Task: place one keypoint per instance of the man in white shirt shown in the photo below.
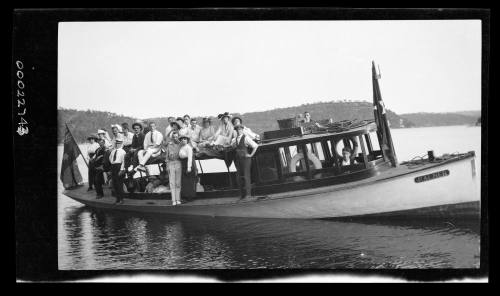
(243, 160)
(195, 135)
(116, 158)
(152, 145)
(127, 137)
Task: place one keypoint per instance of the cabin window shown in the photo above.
(214, 175)
(374, 148)
(293, 167)
(267, 166)
(350, 142)
(316, 150)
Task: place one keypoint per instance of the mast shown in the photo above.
(383, 130)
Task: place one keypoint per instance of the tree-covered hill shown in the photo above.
(442, 119)
(337, 110)
(83, 123)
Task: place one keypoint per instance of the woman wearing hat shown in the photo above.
(116, 130)
(91, 149)
(184, 129)
(207, 132)
(174, 167)
(248, 132)
(189, 172)
(175, 125)
(103, 134)
(224, 133)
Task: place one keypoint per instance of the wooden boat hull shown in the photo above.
(447, 188)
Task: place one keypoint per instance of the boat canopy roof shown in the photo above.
(366, 127)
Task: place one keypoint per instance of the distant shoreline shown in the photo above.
(398, 128)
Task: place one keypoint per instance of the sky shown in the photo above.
(157, 69)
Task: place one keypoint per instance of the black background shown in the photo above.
(34, 41)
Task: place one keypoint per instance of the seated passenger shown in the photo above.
(246, 131)
(127, 137)
(152, 145)
(195, 128)
(307, 117)
(116, 130)
(169, 127)
(224, 133)
(347, 158)
(184, 130)
(206, 134)
(131, 157)
(187, 120)
(146, 129)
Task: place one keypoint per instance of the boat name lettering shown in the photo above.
(432, 176)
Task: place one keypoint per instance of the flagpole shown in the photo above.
(381, 115)
(76, 144)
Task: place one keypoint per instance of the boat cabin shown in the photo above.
(303, 161)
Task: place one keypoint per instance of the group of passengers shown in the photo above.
(125, 153)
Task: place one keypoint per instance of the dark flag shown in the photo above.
(70, 174)
(383, 130)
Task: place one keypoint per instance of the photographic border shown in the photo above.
(35, 43)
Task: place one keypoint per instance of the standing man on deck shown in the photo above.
(96, 163)
(117, 160)
(243, 160)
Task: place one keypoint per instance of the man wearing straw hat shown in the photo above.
(116, 158)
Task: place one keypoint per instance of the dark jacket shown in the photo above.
(138, 141)
(98, 159)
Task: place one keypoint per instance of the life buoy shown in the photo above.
(354, 144)
(312, 158)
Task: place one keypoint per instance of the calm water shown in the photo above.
(92, 239)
